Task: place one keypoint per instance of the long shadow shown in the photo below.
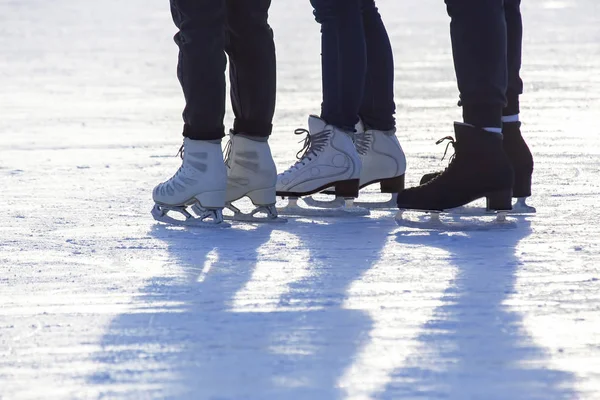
(332, 335)
(476, 346)
(190, 340)
(181, 330)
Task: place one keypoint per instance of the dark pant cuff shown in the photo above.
(483, 115)
(512, 106)
(216, 134)
(252, 128)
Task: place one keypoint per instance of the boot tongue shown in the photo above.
(316, 124)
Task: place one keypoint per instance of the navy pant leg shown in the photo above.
(201, 65)
(514, 28)
(479, 43)
(343, 60)
(252, 66)
(378, 107)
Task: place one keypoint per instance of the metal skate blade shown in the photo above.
(269, 212)
(345, 210)
(474, 211)
(521, 207)
(339, 201)
(160, 214)
(444, 221)
(334, 203)
(381, 205)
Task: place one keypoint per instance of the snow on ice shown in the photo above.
(100, 301)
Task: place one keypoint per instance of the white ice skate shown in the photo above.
(329, 159)
(251, 173)
(383, 162)
(200, 182)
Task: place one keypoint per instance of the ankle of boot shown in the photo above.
(483, 115)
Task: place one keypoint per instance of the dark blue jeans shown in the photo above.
(357, 65)
(486, 44)
(208, 30)
(514, 47)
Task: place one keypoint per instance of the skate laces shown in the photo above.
(312, 145)
(227, 153)
(451, 142)
(182, 167)
(362, 142)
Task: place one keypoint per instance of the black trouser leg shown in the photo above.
(514, 29)
(201, 66)
(378, 107)
(251, 50)
(343, 60)
(478, 31)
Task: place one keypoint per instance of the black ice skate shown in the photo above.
(479, 168)
(521, 160)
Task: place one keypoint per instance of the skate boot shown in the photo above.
(251, 173)
(200, 182)
(383, 162)
(521, 160)
(479, 168)
(329, 159)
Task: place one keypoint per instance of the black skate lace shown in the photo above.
(312, 144)
(363, 142)
(180, 152)
(451, 142)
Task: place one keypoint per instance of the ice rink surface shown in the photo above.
(99, 301)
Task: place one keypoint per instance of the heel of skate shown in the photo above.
(499, 201)
(392, 185)
(215, 199)
(348, 188)
(521, 207)
(522, 186)
(263, 196)
(265, 210)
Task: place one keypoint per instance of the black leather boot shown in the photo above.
(479, 168)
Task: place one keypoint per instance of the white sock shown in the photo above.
(493, 130)
(510, 118)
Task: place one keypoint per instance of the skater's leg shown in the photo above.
(201, 65)
(514, 145)
(480, 167)
(251, 170)
(514, 25)
(252, 69)
(383, 160)
(201, 180)
(377, 107)
(478, 33)
(343, 60)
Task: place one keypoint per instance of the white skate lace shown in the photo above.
(362, 142)
(227, 153)
(181, 170)
(313, 144)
